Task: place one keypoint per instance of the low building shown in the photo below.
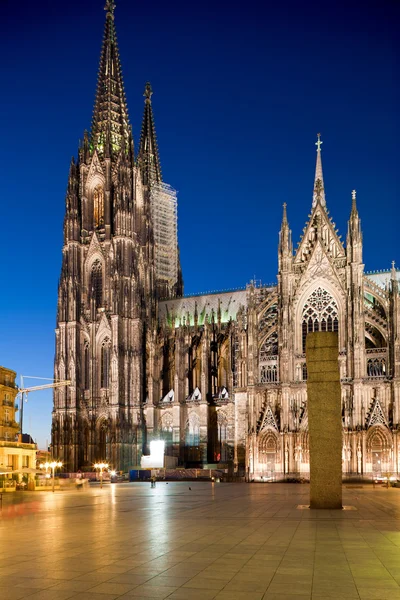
(16, 456)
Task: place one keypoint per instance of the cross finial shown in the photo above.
(393, 263)
(284, 218)
(148, 92)
(110, 6)
(318, 143)
(353, 195)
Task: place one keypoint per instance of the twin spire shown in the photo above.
(110, 124)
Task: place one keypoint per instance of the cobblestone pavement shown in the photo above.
(223, 541)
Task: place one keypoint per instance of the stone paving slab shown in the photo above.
(222, 541)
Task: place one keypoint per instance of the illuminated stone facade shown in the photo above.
(8, 391)
(14, 455)
(220, 377)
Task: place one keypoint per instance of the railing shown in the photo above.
(376, 364)
(376, 351)
(12, 444)
(8, 403)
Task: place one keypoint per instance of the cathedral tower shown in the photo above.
(107, 298)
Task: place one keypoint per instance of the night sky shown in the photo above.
(240, 92)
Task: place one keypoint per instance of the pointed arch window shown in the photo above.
(166, 427)
(105, 364)
(320, 313)
(222, 423)
(269, 348)
(96, 283)
(86, 366)
(98, 206)
(193, 431)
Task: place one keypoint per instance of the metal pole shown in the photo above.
(101, 478)
(21, 414)
(53, 469)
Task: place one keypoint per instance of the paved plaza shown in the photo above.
(223, 541)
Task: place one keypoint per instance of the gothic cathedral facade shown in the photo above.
(221, 378)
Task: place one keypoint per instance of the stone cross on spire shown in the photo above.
(319, 193)
(110, 6)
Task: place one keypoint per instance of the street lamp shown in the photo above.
(100, 467)
(53, 466)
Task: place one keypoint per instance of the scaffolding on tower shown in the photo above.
(164, 214)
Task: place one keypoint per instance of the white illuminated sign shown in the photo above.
(156, 458)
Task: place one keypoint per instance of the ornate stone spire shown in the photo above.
(319, 192)
(284, 216)
(393, 271)
(354, 201)
(148, 156)
(110, 115)
(285, 241)
(354, 234)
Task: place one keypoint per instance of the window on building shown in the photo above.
(268, 359)
(222, 423)
(105, 364)
(320, 313)
(269, 348)
(25, 461)
(7, 436)
(86, 364)
(96, 283)
(166, 427)
(269, 374)
(376, 367)
(98, 206)
(6, 415)
(193, 438)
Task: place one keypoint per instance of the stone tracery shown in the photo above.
(320, 313)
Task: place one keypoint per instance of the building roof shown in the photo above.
(382, 278)
(208, 304)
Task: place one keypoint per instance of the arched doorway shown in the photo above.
(379, 446)
(268, 454)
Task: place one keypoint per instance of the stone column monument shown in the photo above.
(324, 420)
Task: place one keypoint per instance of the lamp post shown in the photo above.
(53, 466)
(100, 467)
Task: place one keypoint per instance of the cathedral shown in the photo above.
(221, 378)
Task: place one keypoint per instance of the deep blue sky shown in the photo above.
(240, 91)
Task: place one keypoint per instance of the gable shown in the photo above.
(319, 229)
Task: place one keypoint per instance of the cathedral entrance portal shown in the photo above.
(267, 455)
(379, 448)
